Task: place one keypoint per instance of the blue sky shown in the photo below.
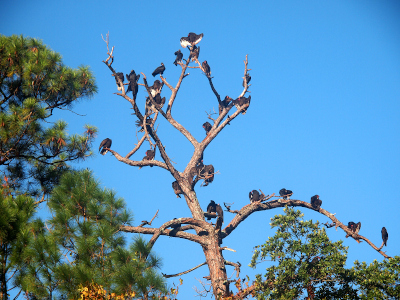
(324, 116)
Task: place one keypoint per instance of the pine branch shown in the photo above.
(184, 272)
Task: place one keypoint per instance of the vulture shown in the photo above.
(220, 213)
(191, 40)
(224, 103)
(207, 127)
(385, 235)
(177, 189)
(355, 227)
(160, 70)
(132, 80)
(254, 196)
(316, 202)
(156, 87)
(194, 54)
(179, 57)
(248, 78)
(150, 154)
(119, 76)
(242, 101)
(159, 101)
(106, 143)
(206, 68)
(285, 194)
(207, 173)
(211, 208)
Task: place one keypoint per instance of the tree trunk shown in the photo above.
(212, 252)
(216, 265)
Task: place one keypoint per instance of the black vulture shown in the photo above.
(285, 194)
(206, 68)
(132, 80)
(191, 40)
(160, 70)
(179, 57)
(177, 189)
(207, 127)
(385, 235)
(211, 208)
(106, 143)
(254, 196)
(316, 202)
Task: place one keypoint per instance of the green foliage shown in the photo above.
(16, 213)
(308, 263)
(81, 246)
(33, 83)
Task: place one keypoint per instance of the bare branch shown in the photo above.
(185, 272)
(179, 234)
(237, 266)
(248, 209)
(149, 223)
(141, 163)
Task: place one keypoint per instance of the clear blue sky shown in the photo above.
(324, 116)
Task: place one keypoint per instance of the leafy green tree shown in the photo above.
(82, 246)
(34, 83)
(16, 213)
(308, 265)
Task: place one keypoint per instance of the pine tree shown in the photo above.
(34, 83)
(81, 246)
(16, 214)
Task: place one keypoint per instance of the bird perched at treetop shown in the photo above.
(385, 235)
(106, 143)
(316, 202)
(254, 196)
(179, 57)
(177, 189)
(247, 78)
(206, 68)
(191, 40)
(194, 53)
(211, 208)
(160, 70)
(220, 212)
(285, 194)
(207, 127)
(242, 102)
(119, 76)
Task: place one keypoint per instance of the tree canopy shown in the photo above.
(34, 83)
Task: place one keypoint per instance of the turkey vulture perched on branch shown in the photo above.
(316, 202)
(177, 189)
(354, 227)
(191, 40)
(119, 76)
(224, 103)
(242, 102)
(254, 196)
(106, 143)
(133, 79)
(206, 68)
(179, 57)
(285, 194)
(385, 235)
(207, 127)
(248, 78)
(211, 208)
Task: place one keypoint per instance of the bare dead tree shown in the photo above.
(208, 236)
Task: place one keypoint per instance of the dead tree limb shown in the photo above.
(184, 272)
